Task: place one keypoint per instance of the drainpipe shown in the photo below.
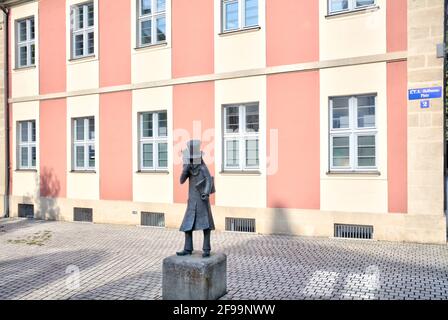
(6, 93)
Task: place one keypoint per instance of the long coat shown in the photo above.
(198, 215)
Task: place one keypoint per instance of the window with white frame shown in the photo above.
(151, 22)
(84, 144)
(239, 14)
(241, 137)
(26, 48)
(335, 6)
(353, 133)
(27, 145)
(83, 30)
(153, 141)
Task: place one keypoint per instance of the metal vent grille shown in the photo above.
(26, 211)
(350, 231)
(240, 225)
(153, 219)
(83, 214)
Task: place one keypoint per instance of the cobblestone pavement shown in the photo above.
(41, 260)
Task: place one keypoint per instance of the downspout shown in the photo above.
(6, 93)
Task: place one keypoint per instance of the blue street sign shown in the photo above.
(425, 93)
(425, 104)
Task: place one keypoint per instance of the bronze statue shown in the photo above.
(198, 215)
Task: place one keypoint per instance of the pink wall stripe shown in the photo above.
(292, 31)
(52, 57)
(115, 42)
(53, 148)
(293, 110)
(193, 103)
(397, 23)
(192, 37)
(397, 136)
(116, 146)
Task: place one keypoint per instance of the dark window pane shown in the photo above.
(145, 6)
(79, 127)
(232, 119)
(79, 156)
(161, 29)
(33, 54)
(80, 18)
(340, 113)
(24, 131)
(23, 56)
(90, 16)
(145, 32)
(33, 131)
(32, 31)
(252, 119)
(91, 42)
(79, 45)
(147, 125)
(163, 124)
(22, 31)
(24, 156)
(92, 129)
(33, 157)
(91, 156)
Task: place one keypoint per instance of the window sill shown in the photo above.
(348, 172)
(153, 172)
(240, 172)
(238, 31)
(84, 171)
(151, 46)
(19, 69)
(352, 12)
(88, 58)
(26, 170)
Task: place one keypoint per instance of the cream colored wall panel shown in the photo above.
(82, 73)
(360, 79)
(240, 190)
(151, 64)
(82, 185)
(152, 187)
(154, 62)
(354, 195)
(25, 82)
(240, 50)
(354, 34)
(25, 183)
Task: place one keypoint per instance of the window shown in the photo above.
(83, 30)
(241, 137)
(151, 22)
(153, 141)
(239, 14)
(27, 145)
(26, 48)
(353, 133)
(335, 6)
(84, 144)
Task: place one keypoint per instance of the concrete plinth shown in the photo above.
(194, 278)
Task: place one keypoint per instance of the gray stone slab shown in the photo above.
(194, 278)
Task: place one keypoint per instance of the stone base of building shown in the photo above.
(194, 278)
(417, 228)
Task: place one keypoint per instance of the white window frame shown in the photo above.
(85, 143)
(153, 16)
(353, 132)
(241, 136)
(241, 15)
(155, 140)
(85, 31)
(29, 144)
(351, 7)
(28, 42)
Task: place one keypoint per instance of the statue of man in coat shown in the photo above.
(198, 215)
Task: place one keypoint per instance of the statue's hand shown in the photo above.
(204, 196)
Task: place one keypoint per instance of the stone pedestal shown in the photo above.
(194, 278)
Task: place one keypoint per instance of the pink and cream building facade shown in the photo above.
(301, 107)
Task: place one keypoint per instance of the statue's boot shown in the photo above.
(184, 253)
(206, 254)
